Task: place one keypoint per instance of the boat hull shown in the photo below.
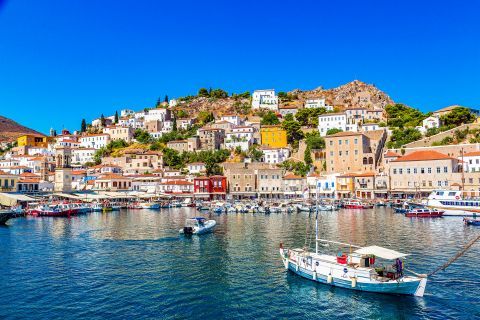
(5, 216)
(424, 215)
(404, 288)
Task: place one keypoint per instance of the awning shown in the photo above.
(381, 252)
(11, 199)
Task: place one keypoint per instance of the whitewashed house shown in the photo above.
(126, 113)
(274, 155)
(196, 167)
(329, 121)
(431, 122)
(370, 127)
(323, 184)
(95, 141)
(472, 161)
(265, 99)
(232, 118)
(157, 114)
(82, 155)
(239, 136)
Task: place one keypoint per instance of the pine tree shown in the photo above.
(174, 124)
(307, 157)
(102, 120)
(116, 116)
(166, 99)
(158, 102)
(83, 126)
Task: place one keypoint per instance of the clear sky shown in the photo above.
(61, 61)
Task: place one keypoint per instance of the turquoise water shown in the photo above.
(134, 264)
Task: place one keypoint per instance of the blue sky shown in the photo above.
(61, 61)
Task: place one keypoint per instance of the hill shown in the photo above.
(11, 130)
(352, 94)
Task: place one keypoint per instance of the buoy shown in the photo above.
(329, 278)
(354, 282)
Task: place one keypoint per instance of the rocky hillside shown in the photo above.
(352, 94)
(11, 130)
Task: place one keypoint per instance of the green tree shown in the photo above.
(205, 117)
(294, 131)
(174, 124)
(254, 154)
(458, 116)
(103, 121)
(142, 136)
(399, 115)
(203, 92)
(165, 99)
(218, 94)
(307, 157)
(314, 140)
(83, 126)
(401, 137)
(182, 114)
(270, 118)
(172, 158)
(333, 131)
(116, 117)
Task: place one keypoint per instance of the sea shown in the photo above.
(134, 264)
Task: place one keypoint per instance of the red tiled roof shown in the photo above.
(177, 182)
(391, 154)
(111, 176)
(472, 154)
(292, 176)
(427, 155)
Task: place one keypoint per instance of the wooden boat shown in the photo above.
(198, 226)
(424, 213)
(472, 222)
(5, 215)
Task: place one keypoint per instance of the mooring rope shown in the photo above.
(454, 258)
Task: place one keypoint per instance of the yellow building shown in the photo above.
(8, 182)
(273, 136)
(32, 140)
(345, 185)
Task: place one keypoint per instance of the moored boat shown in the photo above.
(423, 213)
(5, 215)
(472, 222)
(453, 203)
(356, 204)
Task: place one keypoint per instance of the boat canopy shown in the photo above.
(11, 199)
(380, 252)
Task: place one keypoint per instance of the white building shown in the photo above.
(323, 184)
(317, 103)
(126, 113)
(472, 161)
(431, 122)
(233, 119)
(370, 127)
(185, 123)
(329, 121)
(82, 155)
(131, 122)
(239, 136)
(157, 114)
(196, 167)
(274, 155)
(265, 99)
(95, 141)
(172, 102)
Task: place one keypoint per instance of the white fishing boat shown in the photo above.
(453, 203)
(363, 268)
(198, 226)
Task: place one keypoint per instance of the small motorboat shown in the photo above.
(471, 222)
(149, 205)
(355, 204)
(424, 213)
(198, 226)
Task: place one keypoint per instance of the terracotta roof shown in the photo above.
(77, 172)
(472, 154)
(3, 173)
(292, 177)
(364, 174)
(111, 176)
(28, 175)
(391, 154)
(427, 155)
(344, 134)
(29, 180)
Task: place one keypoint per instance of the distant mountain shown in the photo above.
(11, 130)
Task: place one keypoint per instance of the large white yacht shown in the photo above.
(453, 202)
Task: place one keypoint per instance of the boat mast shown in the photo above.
(316, 220)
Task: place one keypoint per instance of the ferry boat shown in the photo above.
(355, 204)
(453, 202)
(424, 213)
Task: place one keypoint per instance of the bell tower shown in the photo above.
(63, 169)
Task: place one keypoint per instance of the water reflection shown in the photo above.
(132, 264)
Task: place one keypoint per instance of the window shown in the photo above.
(445, 183)
(439, 183)
(445, 169)
(400, 171)
(331, 143)
(430, 183)
(438, 170)
(408, 170)
(339, 142)
(356, 152)
(394, 171)
(429, 170)
(414, 170)
(355, 141)
(422, 170)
